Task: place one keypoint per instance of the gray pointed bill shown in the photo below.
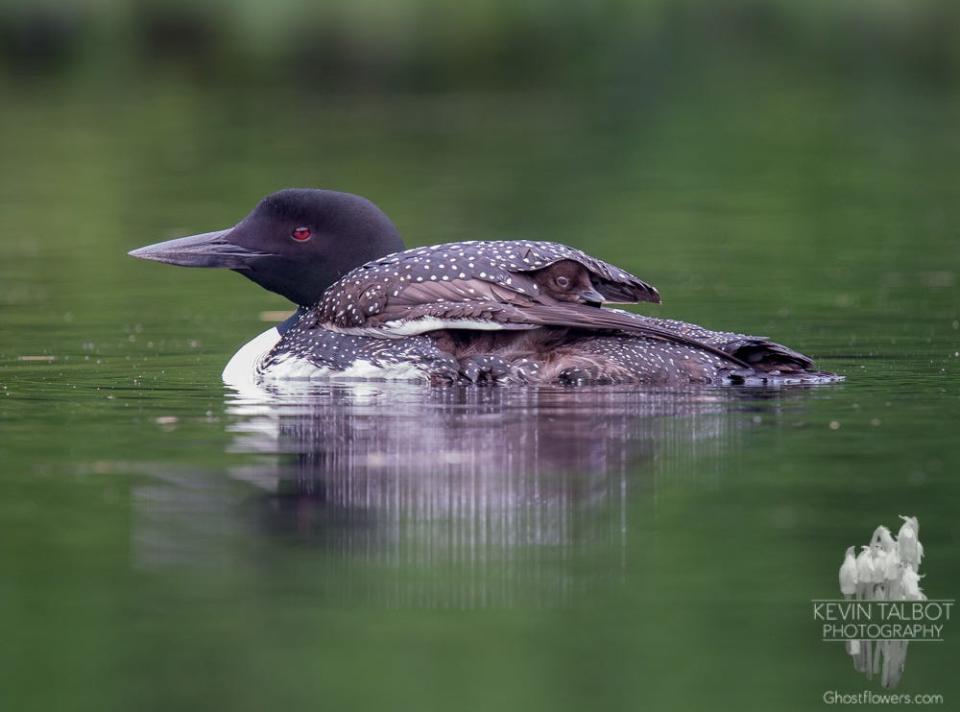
(208, 249)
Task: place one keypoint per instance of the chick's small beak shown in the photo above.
(590, 296)
(208, 249)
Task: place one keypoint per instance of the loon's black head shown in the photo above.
(296, 242)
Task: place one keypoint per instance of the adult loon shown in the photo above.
(501, 311)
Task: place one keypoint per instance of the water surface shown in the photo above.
(169, 543)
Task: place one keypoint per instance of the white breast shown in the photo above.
(241, 369)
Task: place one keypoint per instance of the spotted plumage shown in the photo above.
(319, 353)
(487, 287)
(462, 281)
(543, 356)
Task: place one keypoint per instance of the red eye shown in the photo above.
(301, 234)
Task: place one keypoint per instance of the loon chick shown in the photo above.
(507, 311)
(568, 281)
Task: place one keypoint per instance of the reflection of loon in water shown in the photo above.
(457, 496)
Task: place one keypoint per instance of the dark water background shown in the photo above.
(167, 543)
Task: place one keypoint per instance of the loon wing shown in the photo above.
(480, 305)
(483, 286)
(759, 351)
(474, 267)
(499, 260)
(585, 317)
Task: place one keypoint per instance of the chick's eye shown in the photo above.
(301, 234)
(563, 282)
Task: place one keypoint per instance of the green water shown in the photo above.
(166, 543)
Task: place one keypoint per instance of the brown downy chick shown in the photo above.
(568, 281)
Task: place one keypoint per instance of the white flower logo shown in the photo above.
(886, 570)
